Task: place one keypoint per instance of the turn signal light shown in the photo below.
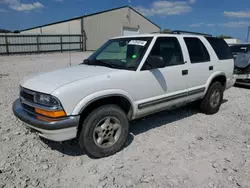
(53, 114)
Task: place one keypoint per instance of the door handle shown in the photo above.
(184, 72)
(211, 68)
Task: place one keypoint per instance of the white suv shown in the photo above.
(127, 78)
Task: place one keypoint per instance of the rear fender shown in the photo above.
(212, 77)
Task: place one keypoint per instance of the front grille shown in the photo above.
(27, 95)
(28, 108)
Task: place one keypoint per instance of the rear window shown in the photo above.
(220, 47)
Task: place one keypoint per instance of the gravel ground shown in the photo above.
(181, 148)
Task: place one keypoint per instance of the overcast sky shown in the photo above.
(228, 17)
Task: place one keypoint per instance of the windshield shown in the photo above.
(121, 53)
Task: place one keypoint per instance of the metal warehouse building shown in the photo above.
(99, 27)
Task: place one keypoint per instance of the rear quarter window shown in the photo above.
(220, 47)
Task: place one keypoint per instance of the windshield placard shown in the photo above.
(138, 42)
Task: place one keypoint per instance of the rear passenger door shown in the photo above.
(200, 66)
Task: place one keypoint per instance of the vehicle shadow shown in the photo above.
(71, 148)
(241, 86)
(162, 119)
(224, 101)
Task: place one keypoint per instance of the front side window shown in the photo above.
(121, 53)
(197, 51)
(169, 49)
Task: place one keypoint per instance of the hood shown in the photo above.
(48, 82)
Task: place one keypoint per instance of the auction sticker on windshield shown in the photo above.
(138, 42)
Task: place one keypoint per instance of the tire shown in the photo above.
(209, 107)
(89, 139)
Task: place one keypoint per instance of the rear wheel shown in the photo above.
(104, 131)
(212, 101)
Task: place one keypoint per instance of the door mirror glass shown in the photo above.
(155, 62)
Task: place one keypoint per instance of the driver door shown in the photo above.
(163, 88)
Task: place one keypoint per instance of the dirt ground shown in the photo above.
(181, 148)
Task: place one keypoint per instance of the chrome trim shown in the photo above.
(35, 122)
(161, 100)
(170, 98)
(196, 91)
(35, 105)
(27, 91)
(242, 76)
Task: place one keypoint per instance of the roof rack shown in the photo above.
(182, 32)
(189, 32)
(161, 32)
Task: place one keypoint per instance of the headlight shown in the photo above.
(46, 100)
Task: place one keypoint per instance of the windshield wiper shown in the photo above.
(107, 63)
(98, 62)
(88, 62)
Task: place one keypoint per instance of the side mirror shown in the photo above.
(155, 62)
(85, 61)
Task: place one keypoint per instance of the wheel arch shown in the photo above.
(217, 76)
(102, 95)
(124, 102)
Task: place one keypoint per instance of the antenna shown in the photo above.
(69, 45)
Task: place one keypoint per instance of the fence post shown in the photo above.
(7, 44)
(37, 42)
(81, 46)
(61, 43)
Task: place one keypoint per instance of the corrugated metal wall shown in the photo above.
(36, 31)
(69, 27)
(101, 27)
(145, 26)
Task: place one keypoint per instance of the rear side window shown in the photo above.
(197, 51)
(220, 47)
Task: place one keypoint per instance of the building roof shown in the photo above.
(76, 18)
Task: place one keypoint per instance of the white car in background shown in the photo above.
(127, 78)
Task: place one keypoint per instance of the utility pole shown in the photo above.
(129, 12)
(248, 33)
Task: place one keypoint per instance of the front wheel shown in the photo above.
(212, 101)
(104, 131)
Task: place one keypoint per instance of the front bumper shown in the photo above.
(53, 129)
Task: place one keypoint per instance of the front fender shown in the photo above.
(84, 102)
